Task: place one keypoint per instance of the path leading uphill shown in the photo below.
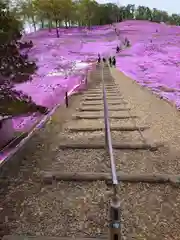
(80, 209)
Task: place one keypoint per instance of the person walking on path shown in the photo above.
(117, 49)
(114, 61)
(99, 58)
(110, 61)
(104, 60)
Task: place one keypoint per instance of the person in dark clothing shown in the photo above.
(125, 41)
(117, 49)
(114, 61)
(104, 60)
(99, 58)
(128, 43)
(110, 62)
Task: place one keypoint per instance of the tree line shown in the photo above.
(54, 13)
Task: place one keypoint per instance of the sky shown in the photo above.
(172, 6)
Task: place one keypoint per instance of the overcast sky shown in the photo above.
(171, 6)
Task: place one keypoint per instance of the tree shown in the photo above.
(141, 13)
(122, 13)
(66, 11)
(130, 10)
(105, 14)
(113, 12)
(41, 14)
(9, 26)
(87, 10)
(175, 19)
(27, 10)
(44, 12)
(54, 12)
(148, 14)
(87, 13)
(13, 67)
(156, 15)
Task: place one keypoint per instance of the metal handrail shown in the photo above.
(114, 211)
(108, 139)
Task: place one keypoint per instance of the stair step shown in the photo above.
(102, 116)
(18, 237)
(100, 98)
(101, 103)
(93, 109)
(98, 145)
(102, 128)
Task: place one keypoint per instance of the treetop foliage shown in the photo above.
(87, 13)
(14, 66)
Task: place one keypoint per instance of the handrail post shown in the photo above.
(86, 80)
(115, 219)
(66, 99)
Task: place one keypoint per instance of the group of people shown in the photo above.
(112, 60)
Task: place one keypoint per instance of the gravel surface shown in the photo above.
(66, 209)
(150, 212)
(161, 161)
(77, 160)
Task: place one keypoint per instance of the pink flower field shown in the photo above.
(63, 63)
(153, 60)
(63, 66)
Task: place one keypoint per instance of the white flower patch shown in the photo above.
(56, 73)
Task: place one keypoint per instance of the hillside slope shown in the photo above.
(153, 60)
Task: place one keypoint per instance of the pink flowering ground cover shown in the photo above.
(153, 59)
(63, 65)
